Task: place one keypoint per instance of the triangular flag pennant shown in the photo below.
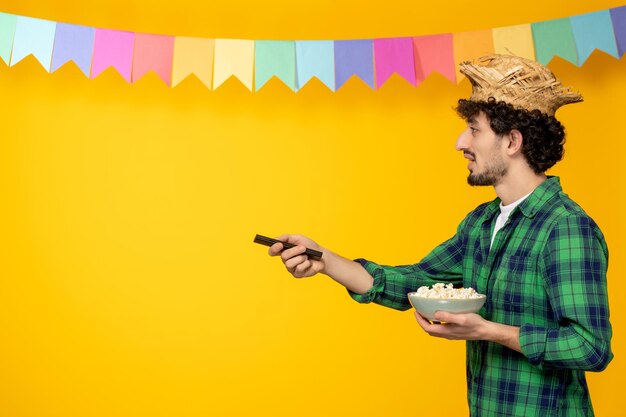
(394, 55)
(354, 58)
(33, 36)
(113, 48)
(275, 58)
(618, 17)
(554, 37)
(7, 32)
(315, 59)
(514, 40)
(74, 43)
(233, 57)
(471, 45)
(153, 52)
(593, 31)
(193, 56)
(434, 53)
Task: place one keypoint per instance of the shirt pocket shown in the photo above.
(515, 285)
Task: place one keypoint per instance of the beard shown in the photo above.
(490, 177)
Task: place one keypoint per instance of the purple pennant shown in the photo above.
(618, 16)
(354, 58)
(73, 43)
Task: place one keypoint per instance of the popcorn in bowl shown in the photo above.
(443, 297)
(441, 290)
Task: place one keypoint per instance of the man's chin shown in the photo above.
(480, 180)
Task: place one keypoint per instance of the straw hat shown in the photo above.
(518, 81)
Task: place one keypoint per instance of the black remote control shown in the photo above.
(268, 241)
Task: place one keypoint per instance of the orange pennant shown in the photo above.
(471, 45)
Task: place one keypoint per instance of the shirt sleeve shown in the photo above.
(575, 262)
(393, 283)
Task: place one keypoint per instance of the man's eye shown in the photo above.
(473, 129)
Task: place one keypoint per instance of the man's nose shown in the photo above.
(463, 140)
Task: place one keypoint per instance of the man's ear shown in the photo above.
(515, 142)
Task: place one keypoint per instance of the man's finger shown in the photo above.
(445, 316)
(303, 266)
(293, 263)
(424, 324)
(275, 249)
(290, 253)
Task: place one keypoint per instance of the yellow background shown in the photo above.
(130, 285)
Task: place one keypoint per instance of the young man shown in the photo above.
(539, 258)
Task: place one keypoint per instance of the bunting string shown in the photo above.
(295, 63)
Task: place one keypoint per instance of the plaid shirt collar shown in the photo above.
(535, 201)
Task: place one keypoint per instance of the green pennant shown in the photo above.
(554, 37)
(7, 32)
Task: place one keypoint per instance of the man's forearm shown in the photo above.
(346, 272)
(505, 335)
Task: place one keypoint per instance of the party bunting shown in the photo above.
(33, 36)
(153, 52)
(618, 17)
(469, 45)
(394, 55)
(434, 53)
(554, 37)
(315, 59)
(275, 58)
(73, 43)
(233, 57)
(295, 63)
(514, 40)
(7, 32)
(354, 58)
(113, 48)
(193, 56)
(593, 31)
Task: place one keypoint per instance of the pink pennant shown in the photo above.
(112, 48)
(434, 53)
(153, 52)
(394, 55)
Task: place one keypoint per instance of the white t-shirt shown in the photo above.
(505, 212)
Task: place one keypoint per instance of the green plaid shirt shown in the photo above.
(545, 273)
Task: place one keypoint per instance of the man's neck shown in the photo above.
(514, 187)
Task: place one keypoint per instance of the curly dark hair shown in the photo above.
(543, 135)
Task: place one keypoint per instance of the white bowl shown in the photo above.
(428, 306)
